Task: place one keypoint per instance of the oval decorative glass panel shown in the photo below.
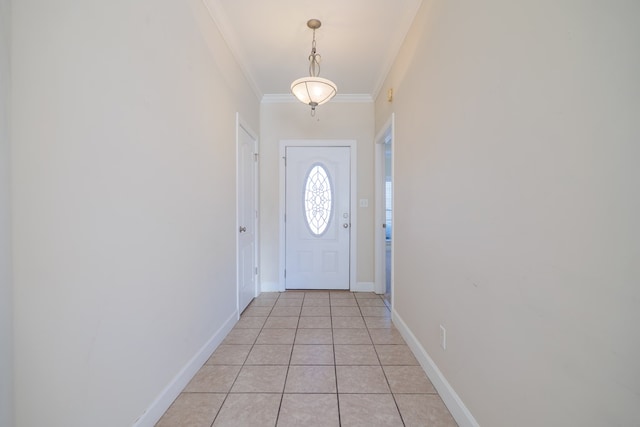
(317, 199)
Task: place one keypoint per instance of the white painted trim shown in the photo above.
(286, 98)
(456, 406)
(351, 143)
(379, 216)
(270, 287)
(278, 98)
(160, 405)
(225, 27)
(387, 133)
(363, 287)
(388, 62)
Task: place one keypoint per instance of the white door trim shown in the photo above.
(385, 134)
(351, 143)
(242, 124)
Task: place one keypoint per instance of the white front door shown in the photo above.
(247, 217)
(317, 217)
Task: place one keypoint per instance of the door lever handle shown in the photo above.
(243, 229)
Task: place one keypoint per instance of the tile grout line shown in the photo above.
(335, 365)
(245, 359)
(286, 377)
(393, 396)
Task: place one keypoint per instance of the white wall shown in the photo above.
(6, 294)
(517, 205)
(334, 120)
(124, 226)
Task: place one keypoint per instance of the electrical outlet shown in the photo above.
(443, 337)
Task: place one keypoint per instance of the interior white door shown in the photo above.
(317, 217)
(247, 218)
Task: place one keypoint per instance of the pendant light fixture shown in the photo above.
(314, 90)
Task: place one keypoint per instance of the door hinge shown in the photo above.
(285, 161)
(256, 271)
(255, 157)
(285, 273)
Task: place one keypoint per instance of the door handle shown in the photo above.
(243, 229)
(345, 225)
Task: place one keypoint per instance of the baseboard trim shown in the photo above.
(458, 410)
(363, 287)
(180, 381)
(358, 287)
(270, 287)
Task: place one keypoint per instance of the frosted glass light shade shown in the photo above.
(314, 91)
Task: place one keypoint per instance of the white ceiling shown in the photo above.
(358, 40)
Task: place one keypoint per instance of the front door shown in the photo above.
(317, 217)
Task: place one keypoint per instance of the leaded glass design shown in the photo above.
(317, 199)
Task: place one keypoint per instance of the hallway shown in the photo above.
(312, 358)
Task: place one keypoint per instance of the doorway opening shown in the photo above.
(384, 212)
(388, 218)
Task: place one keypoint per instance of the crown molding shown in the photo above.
(393, 53)
(221, 20)
(285, 98)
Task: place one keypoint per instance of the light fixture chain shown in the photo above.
(314, 65)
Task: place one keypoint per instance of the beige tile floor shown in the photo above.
(312, 359)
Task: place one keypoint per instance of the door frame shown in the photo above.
(352, 144)
(241, 124)
(387, 133)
